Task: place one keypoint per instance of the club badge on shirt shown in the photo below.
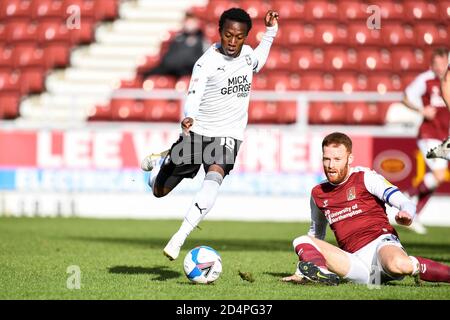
(351, 194)
(248, 59)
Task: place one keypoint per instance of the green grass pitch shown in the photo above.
(122, 259)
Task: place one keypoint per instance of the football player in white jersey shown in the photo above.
(216, 111)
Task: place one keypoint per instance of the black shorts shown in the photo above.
(189, 153)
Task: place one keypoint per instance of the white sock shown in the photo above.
(416, 265)
(430, 181)
(202, 203)
(154, 173)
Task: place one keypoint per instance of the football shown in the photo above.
(202, 265)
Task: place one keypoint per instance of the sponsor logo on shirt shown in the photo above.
(237, 85)
(351, 194)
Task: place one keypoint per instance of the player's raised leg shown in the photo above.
(201, 205)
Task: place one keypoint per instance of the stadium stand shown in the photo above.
(56, 73)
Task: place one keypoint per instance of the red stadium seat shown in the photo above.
(297, 33)
(352, 10)
(53, 29)
(9, 104)
(327, 33)
(269, 112)
(384, 82)
(431, 34)
(307, 58)
(421, 10)
(256, 9)
(47, 8)
(444, 10)
(101, 113)
(348, 82)
(212, 33)
(279, 59)
(106, 9)
(6, 56)
(287, 112)
(201, 12)
(86, 8)
(182, 84)
(317, 81)
(407, 78)
(19, 30)
(256, 34)
(135, 83)
(57, 54)
(217, 7)
(261, 81)
(359, 34)
(9, 81)
(85, 34)
(362, 113)
(341, 59)
(32, 79)
(162, 110)
(127, 110)
(321, 10)
(409, 59)
(15, 8)
(29, 55)
(284, 81)
(262, 112)
(159, 82)
(390, 10)
(290, 10)
(374, 59)
(397, 34)
(326, 113)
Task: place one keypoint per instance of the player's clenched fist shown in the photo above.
(271, 18)
(186, 125)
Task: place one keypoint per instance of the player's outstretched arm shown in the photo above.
(261, 52)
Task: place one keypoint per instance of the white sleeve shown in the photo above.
(196, 89)
(261, 52)
(387, 192)
(319, 223)
(415, 90)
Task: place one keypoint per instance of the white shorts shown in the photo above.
(434, 164)
(365, 265)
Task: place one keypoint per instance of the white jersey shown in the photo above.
(219, 91)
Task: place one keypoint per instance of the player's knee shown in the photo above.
(159, 192)
(399, 266)
(301, 240)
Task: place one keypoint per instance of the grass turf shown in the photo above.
(122, 259)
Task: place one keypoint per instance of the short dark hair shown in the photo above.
(439, 52)
(235, 14)
(338, 138)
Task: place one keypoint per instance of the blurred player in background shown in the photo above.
(443, 150)
(352, 200)
(216, 112)
(184, 50)
(424, 96)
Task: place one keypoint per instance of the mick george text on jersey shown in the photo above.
(239, 85)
